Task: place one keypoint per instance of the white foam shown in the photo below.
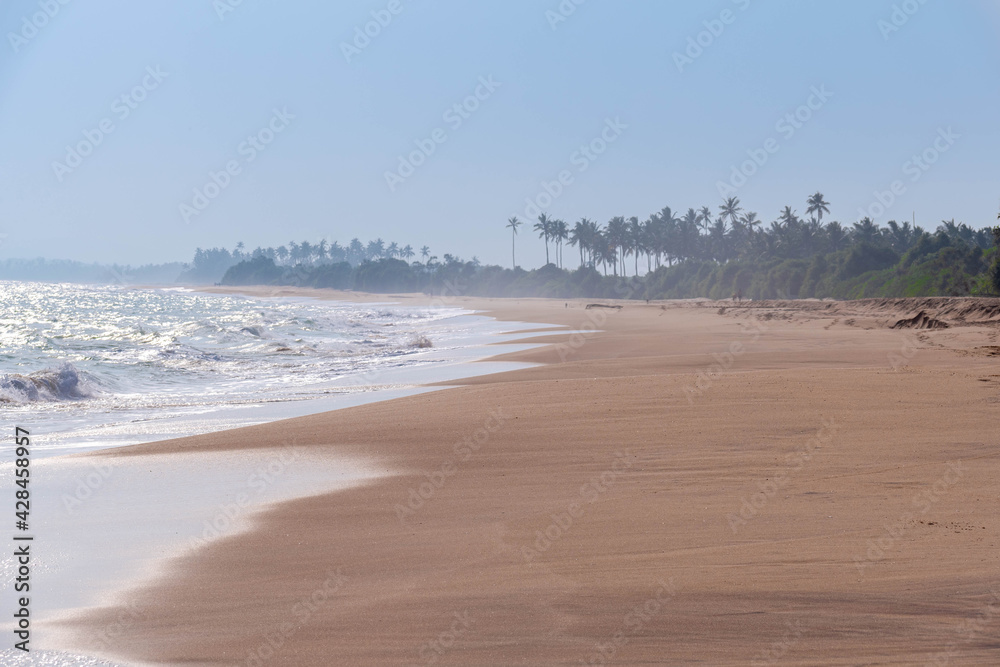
(104, 525)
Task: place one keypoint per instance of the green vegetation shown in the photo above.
(672, 256)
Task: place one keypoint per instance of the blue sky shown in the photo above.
(344, 121)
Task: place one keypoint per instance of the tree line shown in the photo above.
(666, 255)
(731, 234)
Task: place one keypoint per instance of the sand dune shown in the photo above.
(696, 482)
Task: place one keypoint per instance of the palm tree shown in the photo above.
(605, 251)
(581, 237)
(818, 205)
(512, 225)
(687, 234)
(560, 232)
(705, 218)
(635, 239)
(669, 224)
(617, 235)
(750, 222)
(900, 235)
(392, 250)
(544, 229)
(407, 252)
(836, 235)
(866, 231)
(788, 216)
(306, 250)
(376, 249)
(731, 209)
(425, 252)
(355, 251)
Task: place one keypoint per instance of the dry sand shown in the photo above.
(699, 483)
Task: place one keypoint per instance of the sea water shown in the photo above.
(88, 367)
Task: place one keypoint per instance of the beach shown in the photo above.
(670, 483)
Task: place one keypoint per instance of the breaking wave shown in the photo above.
(65, 383)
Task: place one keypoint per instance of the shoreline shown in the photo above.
(552, 500)
(112, 466)
(458, 337)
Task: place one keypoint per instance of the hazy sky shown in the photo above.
(183, 84)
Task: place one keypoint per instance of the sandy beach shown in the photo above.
(693, 482)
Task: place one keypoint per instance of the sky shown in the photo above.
(136, 132)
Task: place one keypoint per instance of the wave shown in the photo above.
(65, 383)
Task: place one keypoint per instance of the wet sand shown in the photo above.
(699, 482)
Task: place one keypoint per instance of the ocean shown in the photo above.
(88, 367)
(84, 368)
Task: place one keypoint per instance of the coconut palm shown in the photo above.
(788, 216)
(560, 232)
(544, 229)
(512, 225)
(634, 244)
(705, 218)
(356, 251)
(375, 249)
(866, 231)
(578, 237)
(617, 235)
(731, 209)
(901, 237)
(818, 206)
